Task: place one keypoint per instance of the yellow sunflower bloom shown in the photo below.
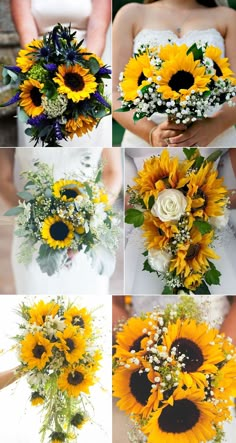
(200, 346)
(57, 233)
(71, 343)
(225, 383)
(78, 420)
(169, 51)
(76, 380)
(91, 55)
(159, 173)
(207, 192)
(40, 310)
(157, 233)
(79, 318)
(193, 281)
(178, 77)
(220, 64)
(81, 126)
(137, 74)
(36, 399)
(76, 82)
(66, 190)
(194, 255)
(25, 59)
(31, 97)
(36, 350)
(189, 419)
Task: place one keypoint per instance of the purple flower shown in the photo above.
(58, 132)
(104, 70)
(15, 69)
(35, 121)
(12, 100)
(101, 100)
(50, 67)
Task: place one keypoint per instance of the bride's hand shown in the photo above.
(200, 133)
(164, 131)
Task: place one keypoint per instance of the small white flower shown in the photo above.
(170, 205)
(159, 260)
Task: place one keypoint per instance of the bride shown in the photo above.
(181, 21)
(81, 277)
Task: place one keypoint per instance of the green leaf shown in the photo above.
(202, 289)
(189, 152)
(89, 190)
(145, 253)
(197, 52)
(203, 226)
(134, 217)
(14, 211)
(50, 260)
(29, 131)
(147, 267)
(198, 162)
(22, 116)
(27, 196)
(212, 276)
(167, 290)
(214, 156)
(151, 202)
(138, 116)
(93, 65)
(98, 176)
(123, 109)
(48, 193)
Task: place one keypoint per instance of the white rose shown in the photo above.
(159, 260)
(170, 205)
(220, 221)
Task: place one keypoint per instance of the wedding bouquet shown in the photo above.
(59, 87)
(56, 218)
(181, 207)
(183, 82)
(58, 352)
(174, 375)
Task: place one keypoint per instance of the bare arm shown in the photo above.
(97, 26)
(118, 310)
(8, 377)
(228, 326)
(23, 20)
(112, 172)
(7, 187)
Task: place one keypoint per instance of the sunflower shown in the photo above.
(31, 97)
(36, 350)
(207, 192)
(76, 380)
(157, 233)
(200, 346)
(79, 318)
(57, 437)
(57, 232)
(81, 126)
(221, 65)
(188, 420)
(170, 50)
(67, 190)
(25, 59)
(225, 381)
(137, 74)
(194, 254)
(88, 54)
(78, 420)
(76, 82)
(159, 173)
(36, 399)
(71, 343)
(178, 77)
(40, 310)
(193, 281)
(134, 388)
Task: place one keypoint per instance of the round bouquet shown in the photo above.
(60, 87)
(183, 82)
(181, 206)
(58, 351)
(60, 217)
(174, 375)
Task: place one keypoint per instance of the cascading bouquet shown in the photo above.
(181, 207)
(174, 375)
(58, 352)
(63, 216)
(60, 87)
(183, 82)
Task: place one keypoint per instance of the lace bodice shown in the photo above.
(154, 37)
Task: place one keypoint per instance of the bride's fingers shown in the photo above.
(168, 125)
(171, 133)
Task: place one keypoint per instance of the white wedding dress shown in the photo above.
(46, 15)
(20, 422)
(81, 277)
(156, 38)
(226, 171)
(143, 282)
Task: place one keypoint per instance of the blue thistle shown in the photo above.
(44, 51)
(104, 70)
(35, 121)
(57, 129)
(101, 100)
(15, 69)
(12, 100)
(50, 67)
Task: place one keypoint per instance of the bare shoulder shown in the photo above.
(227, 14)
(129, 12)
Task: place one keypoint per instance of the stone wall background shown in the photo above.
(9, 45)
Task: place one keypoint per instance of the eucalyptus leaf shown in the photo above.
(14, 211)
(27, 196)
(214, 156)
(23, 117)
(50, 260)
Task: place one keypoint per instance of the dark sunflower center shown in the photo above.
(181, 80)
(136, 346)
(141, 78)
(70, 344)
(78, 321)
(193, 355)
(74, 81)
(69, 193)
(36, 96)
(193, 251)
(140, 387)
(219, 73)
(75, 379)
(59, 231)
(179, 418)
(38, 351)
